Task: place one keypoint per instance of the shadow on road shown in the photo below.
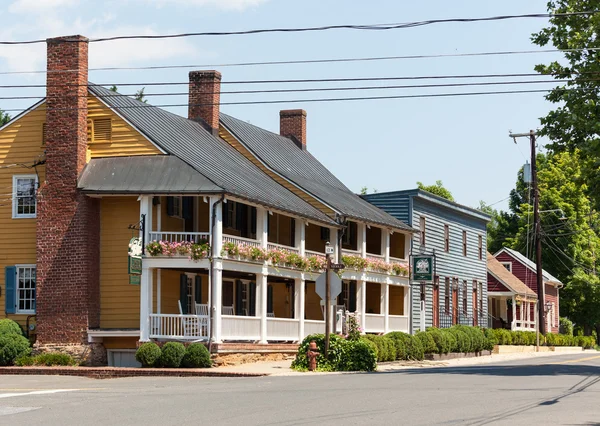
(516, 370)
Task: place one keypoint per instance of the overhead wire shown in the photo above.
(363, 27)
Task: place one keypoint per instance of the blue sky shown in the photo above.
(385, 144)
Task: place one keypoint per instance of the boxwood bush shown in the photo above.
(47, 359)
(386, 348)
(413, 348)
(427, 341)
(172, 354)
(13, 346)
(8, 326)
(491, 339)
(148, 354)
(359, 355)
(441, 340)
(332, 363)
(196, 356)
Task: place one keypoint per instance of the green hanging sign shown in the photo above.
(135, 279)
(422, 268)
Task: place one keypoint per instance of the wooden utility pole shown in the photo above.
(328, 250)
(537, 234)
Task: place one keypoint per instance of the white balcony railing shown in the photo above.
(240, 328)
(314, 253)
(347, 252)
(398, 323)
(398, 260)
(375, 256)
(273, 246)
(241, 241)
(313, 327)
(179, 237)
(283, 329)
(374, 323)
(179, 327)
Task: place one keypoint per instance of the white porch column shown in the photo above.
(385, 244)
(361, 301)
(146, 209)
(361, 238)
(216, 281)
(158, 217)
(158, 290)
(514, 312)
(261, 289)
(217, 226)
(408, 238)
(535, 315)
(262, 226)
(386, 306)
(299, 285)
(145, 293)
(300, 233)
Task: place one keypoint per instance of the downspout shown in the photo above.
(212, 270)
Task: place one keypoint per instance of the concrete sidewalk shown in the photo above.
(282, 368)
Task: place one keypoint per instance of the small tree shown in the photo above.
(437, 189)
(4, 118)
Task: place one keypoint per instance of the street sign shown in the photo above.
(336, 266)
(328, 250)
(335, 285)
(422, 268)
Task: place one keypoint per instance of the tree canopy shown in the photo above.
(4, 118)
(437, 189)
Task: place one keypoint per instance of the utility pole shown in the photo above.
(537, 234)
(328, 252)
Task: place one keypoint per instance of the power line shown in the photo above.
(316, 61)
(368, 27)
(329, 89)
(315, 100)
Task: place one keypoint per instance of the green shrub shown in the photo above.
(553, 339)
(359, 356)
(386, 348)
(371, 344)
(427, 341)
(196, 356)
(565, 326)
(413, 348)
(463, 341)
(504, 337)
(441, 340)
(490, 339)
(476, 337)
(24, 361)
(451, 338)
(148, 354)
(172, 354)
(13, 346)
(8, 326)
(399, 340)
(53, 358)
(331, 363)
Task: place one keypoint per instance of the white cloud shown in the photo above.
(237, 5)
(38, 6)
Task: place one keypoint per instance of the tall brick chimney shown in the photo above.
(292, 124)
(68, 222)
(204, 98)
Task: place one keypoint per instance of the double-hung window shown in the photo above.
(24, 196)
(25, 289)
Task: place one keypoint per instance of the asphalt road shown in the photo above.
(561, 390)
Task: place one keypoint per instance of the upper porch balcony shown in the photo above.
(179, 229)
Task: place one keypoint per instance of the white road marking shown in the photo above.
(7, 411)
(41, 392)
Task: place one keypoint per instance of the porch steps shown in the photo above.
(281, 348)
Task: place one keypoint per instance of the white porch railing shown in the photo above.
(178, 327)
(283, 329)
(314, 253)
(374, 323)
(240, 328)
(313, 327)
(178, 237)
(519, 325)
(241, 241)
(273, 246)
(398, 260)
(346, 252)
(398, 323)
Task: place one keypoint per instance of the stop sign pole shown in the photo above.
(328, 252)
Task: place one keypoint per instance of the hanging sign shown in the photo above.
(135, 257)
(135, 279)
(422, 267)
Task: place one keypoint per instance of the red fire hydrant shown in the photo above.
(312, 355)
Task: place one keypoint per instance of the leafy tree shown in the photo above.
(364, 190)
(139, 95)
(501, 229)
(4, 118)
(575, 123)
(437, 189)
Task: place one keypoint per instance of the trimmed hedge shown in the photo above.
(386, 348)
(443, 340)
(344, 355)
(359, 356)
(171, 354)
(196, 356)
(148, 354)
(13, 346)
(413, 348)
(47, 359)
(427, 341)
(8, 326)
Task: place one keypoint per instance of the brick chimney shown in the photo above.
(204, 98)
(292, 124)
(68, 222)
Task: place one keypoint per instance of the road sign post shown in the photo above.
(328, 253)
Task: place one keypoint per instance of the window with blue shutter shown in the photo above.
(198, 289)
(10, 291)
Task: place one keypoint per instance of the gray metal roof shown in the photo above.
(300, 167)
(530, 264)
(210, 156)
(153, 174)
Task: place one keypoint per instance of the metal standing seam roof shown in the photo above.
(213, 158)
(153, 174)
(300, 167)
(507, 278)
(530, 264)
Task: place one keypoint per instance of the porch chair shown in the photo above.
(271, 314)
(227, 310)
(202, 312)
(191, 326)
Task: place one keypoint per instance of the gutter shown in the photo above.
(212, 270)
